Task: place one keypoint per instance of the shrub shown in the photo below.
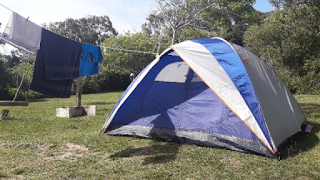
(104, 81)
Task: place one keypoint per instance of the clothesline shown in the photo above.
(119, 49)
(5, 7)
(128, 50)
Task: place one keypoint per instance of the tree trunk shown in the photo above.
(26, 94)
(173, 36)
(15, 96)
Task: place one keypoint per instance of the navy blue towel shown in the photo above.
(57, 64)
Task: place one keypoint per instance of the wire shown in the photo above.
(6, 7)
(129, 50)
(105, 46)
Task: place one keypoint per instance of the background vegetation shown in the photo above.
(287, 39)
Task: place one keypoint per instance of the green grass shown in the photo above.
(35, 144)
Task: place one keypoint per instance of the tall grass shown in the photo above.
(35, 144)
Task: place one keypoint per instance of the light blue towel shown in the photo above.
(90, 59)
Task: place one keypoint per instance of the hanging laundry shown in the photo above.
(22, 33)
(57, 64)
(90, 59)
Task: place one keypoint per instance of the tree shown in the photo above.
(4, 76)
(132, 61)
(232, 18)
(279, 4)
(22, 70)
(176, 15)
(1, 42)
(191, 33)
(90, 29)
(224, 18)
(289, 41)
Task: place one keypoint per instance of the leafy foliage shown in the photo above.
(91, 29)
(190, 33)
(293, 4)
(127, 62)
(1, 42)
(105, 81)
(227, 19)
(232, 18)
(289, 41)
(177, 14)
(4, 76)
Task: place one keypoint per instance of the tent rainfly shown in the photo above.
(208, 92)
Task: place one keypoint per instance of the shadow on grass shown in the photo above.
(300, 143)
(155, 154)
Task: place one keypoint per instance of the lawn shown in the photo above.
(35, 144)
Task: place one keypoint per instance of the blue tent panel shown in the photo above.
(232, 64)
(187, 112)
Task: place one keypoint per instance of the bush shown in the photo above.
(22, 94)
(105, 81)
(12, 92)
(112, 81)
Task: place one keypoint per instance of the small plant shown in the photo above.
(317, 92)
(2, 175)
(19, 171)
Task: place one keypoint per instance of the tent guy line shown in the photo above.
(105, 47)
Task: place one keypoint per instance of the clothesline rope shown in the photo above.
(128, 50)
(5, 7)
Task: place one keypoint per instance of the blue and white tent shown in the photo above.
(208, 92)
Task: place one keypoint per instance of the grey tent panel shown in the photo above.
(281, 111)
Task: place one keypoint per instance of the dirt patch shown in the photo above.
(232, 161)
(70, 151)
(67, 146)
(18, 177)
(302, 178)
(71, 156)
(41, 146)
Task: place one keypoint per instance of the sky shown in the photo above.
(125, 15)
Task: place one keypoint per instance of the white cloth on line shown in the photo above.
(22, 33)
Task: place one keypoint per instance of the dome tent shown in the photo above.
(208, 92)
